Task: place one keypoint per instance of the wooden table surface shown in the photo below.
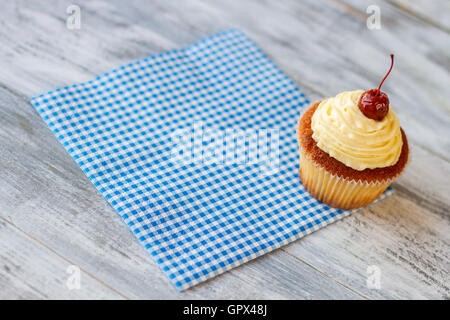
(52, 217)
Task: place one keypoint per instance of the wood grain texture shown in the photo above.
(436, 13)
(48, 205)
(32, 271)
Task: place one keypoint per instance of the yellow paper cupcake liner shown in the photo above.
(336, 191)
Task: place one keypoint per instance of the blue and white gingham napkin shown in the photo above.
(145, 135)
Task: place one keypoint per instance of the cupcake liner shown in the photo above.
(336, 191)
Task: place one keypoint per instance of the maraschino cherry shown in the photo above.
(374, 104)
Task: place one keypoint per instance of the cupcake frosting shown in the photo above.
(341, 130)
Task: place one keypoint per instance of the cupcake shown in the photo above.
(351, 148)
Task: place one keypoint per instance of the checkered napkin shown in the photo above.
(143, 133)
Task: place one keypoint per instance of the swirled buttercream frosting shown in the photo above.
(341, 130)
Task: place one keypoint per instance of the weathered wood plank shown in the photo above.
(436, 13)
(29, 270)
(408, 243)
(60, 207)
(332, 54)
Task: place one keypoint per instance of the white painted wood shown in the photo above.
(308, 49)
(408, 243)
(436, 13)
(324, 47)
(29, 270)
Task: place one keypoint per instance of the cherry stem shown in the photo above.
(392, 64)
